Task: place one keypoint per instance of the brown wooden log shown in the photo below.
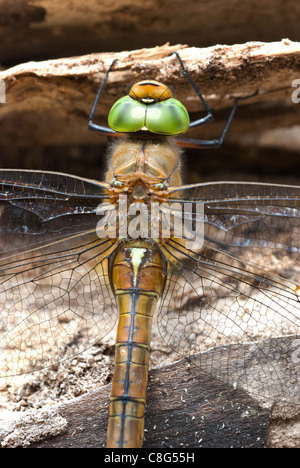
(48, 103)
(186, 408)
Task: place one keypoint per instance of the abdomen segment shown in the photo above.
(138, 281)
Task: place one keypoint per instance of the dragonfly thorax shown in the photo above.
(140, 175)
(152, 164)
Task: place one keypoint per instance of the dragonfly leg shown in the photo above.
(91, 124)
(214, 143)
(209, 117)
(217, 142)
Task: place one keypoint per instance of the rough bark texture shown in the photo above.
(185, 408)
(48, 103)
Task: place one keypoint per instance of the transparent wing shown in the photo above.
(241, 285)
(54, 278)
(36, 207)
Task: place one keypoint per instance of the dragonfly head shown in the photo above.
(149, 106)
(149, 92)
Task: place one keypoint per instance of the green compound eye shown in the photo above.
(168, 117)
(127, 115)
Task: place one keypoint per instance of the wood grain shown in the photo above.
(48, 102)
(186, 408)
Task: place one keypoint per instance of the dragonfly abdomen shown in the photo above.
(138, 281)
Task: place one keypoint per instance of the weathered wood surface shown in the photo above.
(185, 408)
(48, 102)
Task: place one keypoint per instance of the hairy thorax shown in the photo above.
(143, 167)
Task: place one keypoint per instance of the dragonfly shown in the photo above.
(218, 263)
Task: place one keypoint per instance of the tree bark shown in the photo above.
(186, 408)
(48, 102)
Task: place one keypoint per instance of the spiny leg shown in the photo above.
(216, 142)
(209, 117)
(91, 124)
